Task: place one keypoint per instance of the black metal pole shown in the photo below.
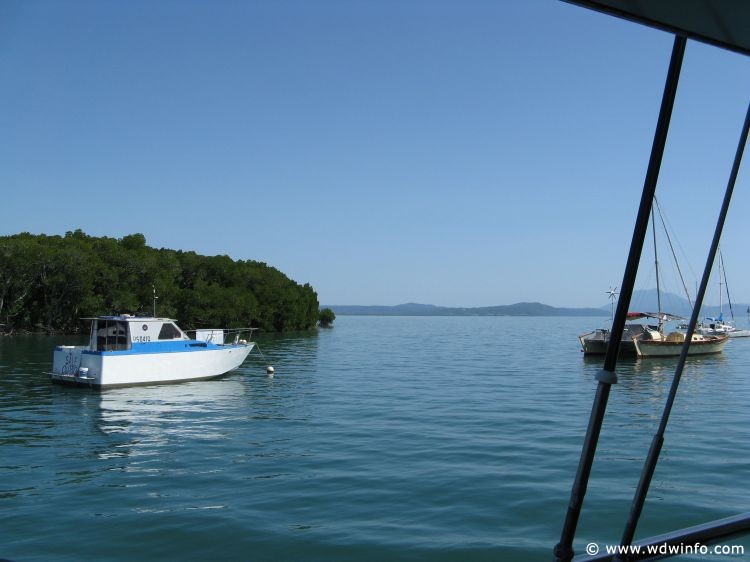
(563, 551)
(656, 444)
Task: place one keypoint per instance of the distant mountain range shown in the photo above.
(414, 309)
(646, 301)
(642, 301)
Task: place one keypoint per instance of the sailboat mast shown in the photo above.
(721, 287)
(674, 255)
(726, 285)
(656, 265)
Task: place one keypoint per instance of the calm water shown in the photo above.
(381, 439)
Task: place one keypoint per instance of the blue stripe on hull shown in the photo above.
(177, 346)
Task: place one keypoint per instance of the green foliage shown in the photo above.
(49, 282)
(326, 317)
(133, 241)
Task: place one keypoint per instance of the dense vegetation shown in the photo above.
(47, 283)
(326, 317)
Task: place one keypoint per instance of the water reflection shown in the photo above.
(658, 370)
(638, 398)
(145, 420)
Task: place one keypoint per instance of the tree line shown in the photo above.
(47, 283)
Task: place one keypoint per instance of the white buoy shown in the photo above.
(269, 371)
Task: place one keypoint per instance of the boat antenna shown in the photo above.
(155, 297)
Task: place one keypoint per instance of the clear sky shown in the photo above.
(459, 153)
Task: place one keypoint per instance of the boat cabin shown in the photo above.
(119, 333)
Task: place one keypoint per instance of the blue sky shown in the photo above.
(455, 153)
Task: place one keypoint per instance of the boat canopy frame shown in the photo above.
(728, 27)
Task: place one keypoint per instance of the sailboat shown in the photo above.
(596, 342)
(671, 345)
(718, 326)
(646, 340)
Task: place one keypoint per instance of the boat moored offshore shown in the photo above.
(131, 350)
(596, 342)
(655, 344)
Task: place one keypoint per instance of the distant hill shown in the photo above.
(646, 301)
(415, 309)
(642, 301)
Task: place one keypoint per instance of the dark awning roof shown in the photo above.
(724, 23)
(665, 316)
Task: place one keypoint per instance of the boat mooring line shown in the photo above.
(269, 368)
(259, 351)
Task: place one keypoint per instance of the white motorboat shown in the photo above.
(719, 327)
(130, 350)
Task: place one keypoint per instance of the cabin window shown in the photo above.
(169, 332)
(112, 335)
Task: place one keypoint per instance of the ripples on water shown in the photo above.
(380, 439)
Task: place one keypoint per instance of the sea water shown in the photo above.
(383, 439)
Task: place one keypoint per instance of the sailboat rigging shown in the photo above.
(646, 340)
(718, 326)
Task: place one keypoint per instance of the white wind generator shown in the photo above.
(612, 298)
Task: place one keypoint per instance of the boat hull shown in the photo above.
(599, 347)
(664, 348)
(79, 366)
(596, 342)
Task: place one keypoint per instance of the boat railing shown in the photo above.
(221, 336)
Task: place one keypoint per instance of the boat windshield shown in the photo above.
(169, 332)
(112, 335)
